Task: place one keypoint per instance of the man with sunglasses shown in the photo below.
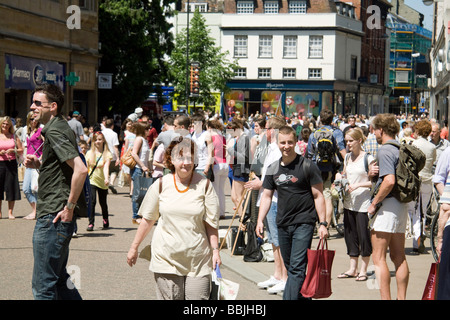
(61, 179)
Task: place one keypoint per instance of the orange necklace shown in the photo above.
(175, 183)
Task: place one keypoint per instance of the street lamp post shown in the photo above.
(187, 57)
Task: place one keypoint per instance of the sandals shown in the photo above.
(344, 275)
(361, 277)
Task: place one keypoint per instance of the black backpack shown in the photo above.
(325, 148)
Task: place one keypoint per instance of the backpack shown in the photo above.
(407, 182)
(325, 148)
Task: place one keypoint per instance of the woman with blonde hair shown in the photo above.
(356, 203)
(98, 159)
(34, 143)
(10, 146)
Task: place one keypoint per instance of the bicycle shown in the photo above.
(337, 220)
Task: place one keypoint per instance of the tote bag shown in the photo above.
(140, 186)
(317, 283)
(430, 291)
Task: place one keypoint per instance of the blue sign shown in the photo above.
(24, 73)
(406, 100)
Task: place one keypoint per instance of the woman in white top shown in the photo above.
(356, 203)
(185, 241)
(140, 153)
(422, 130)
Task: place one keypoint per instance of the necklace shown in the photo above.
(175, 183)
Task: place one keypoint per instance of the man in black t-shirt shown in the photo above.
(300, 202)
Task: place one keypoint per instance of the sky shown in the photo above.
(426, 10)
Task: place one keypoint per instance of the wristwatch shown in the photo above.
(323, 223)
(70, 205)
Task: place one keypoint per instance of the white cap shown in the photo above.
(138, 111)
(133, 117)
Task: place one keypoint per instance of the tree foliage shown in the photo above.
(215, 69)
(135, 36)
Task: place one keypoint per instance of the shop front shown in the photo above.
(22, 75)
(288, 99)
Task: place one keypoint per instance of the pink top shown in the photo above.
(219, 143)
(6, 145)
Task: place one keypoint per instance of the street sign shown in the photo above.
(406, 100)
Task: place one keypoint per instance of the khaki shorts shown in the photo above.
(392, 217)
(174, 287)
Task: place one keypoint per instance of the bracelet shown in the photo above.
(215, 249)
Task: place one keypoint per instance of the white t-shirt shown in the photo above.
(359, 199)
(112, 139)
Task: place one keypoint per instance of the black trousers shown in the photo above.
(102, 194)
(444, 267)
(357, 233)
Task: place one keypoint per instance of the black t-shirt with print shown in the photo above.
(295, 199)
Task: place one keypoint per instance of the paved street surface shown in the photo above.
(98, 261)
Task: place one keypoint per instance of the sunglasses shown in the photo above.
(38, 103)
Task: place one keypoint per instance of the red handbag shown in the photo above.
(317, 282)
(430, 291)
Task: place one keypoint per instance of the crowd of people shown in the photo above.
(284, 162)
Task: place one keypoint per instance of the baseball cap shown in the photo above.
(76, 113)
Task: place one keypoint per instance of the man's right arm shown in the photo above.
(266, 201)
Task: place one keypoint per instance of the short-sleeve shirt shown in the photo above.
(180, 243)
(295, 200)
(97, 178)
(387, 157)
(55, 175)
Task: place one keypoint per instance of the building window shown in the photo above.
(297, 6)
(289, 73)
(270, 6)
(243, 7)
(264, 73)
(315, 46)
(265, 46)
(240, 46)
(354, 68)
(315, 73)
(290, 47)
(89, 5)
(202, 7)
(241, 73)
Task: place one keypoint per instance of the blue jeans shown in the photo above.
(51, 252)
(294, 243)
(135, 206)
(26, 186)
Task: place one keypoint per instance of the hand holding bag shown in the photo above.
(317, 283)
(223, 289)
(34, 180)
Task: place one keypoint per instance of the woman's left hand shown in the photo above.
(216, 259)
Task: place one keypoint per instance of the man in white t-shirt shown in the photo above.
(112, 140)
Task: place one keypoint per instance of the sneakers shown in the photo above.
(90, 227)
(105, 223)
(268, 283)
(279, 287)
